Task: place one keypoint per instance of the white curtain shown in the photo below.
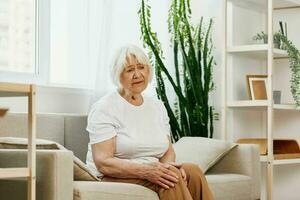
(119, 26)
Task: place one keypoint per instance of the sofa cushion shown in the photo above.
(230, 186)
(48, 126)
(76, 137)
(202, 151)
(223, 186)
(84, 190)
(81, 172)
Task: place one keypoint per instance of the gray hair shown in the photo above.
(120, 60)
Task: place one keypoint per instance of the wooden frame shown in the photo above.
(257, 87)
(29, 172)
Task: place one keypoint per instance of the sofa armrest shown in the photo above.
(244, 159)
(54, 174)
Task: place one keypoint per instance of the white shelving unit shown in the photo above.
(29, 172)
(234, 98)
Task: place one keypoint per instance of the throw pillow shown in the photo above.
(202, 151)
(81, 172)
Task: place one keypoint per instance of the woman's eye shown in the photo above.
(141, 67)
(130, 70)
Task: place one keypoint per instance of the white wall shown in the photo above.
(52, 100)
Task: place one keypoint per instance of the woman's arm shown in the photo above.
(103, 155)
(169, 156)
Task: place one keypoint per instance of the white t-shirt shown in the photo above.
(141, 131)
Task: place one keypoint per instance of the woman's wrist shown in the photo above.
(144, 171)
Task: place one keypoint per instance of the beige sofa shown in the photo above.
(235, 177)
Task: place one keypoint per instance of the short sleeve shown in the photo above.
(165, 118)
(100, 126)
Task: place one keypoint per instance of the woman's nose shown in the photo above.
(136, 73)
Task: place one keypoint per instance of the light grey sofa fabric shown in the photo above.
(49, 126)
(111, 191)
(244, 159)
(76, 137)
(230, 186)
(234, 177)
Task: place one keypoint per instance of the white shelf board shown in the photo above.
(248, 104)
(256, 51)
(260, 104)
(286, 107)
(286, 161)
(263, 3)
(286, 3)
(281, 162)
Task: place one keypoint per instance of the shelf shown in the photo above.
(263, 3)
(286, 107)
(248, 104)
(263, 159)
(256, 51)
(286, 3)
(14, 172)
(14, 89)
(260, 105)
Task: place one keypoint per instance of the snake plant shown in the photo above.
(191, 115)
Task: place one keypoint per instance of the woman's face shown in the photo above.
(135, 76)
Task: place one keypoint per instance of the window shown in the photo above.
(17, 36)
(70, 48)
(61, 31)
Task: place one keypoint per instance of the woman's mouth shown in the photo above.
(138, 82)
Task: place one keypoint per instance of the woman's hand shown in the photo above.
(160, 174)
(179, 166)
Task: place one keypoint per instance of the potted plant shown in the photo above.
(262, 37)
(280, 37)
(191, 115)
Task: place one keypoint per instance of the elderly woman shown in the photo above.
(130, 136)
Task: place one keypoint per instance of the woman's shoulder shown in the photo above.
(106, 102)
(154, 101)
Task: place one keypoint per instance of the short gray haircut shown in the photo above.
(120, 60)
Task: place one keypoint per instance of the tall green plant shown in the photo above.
(193, 63)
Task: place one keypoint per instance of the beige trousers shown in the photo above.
(196, 188)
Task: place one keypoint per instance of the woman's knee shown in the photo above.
(191, 168)
(175, 170)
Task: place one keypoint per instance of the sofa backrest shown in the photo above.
(76, 137)
(68, 130)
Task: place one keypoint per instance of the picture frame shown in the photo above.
(257, 87)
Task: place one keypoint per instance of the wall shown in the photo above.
(52, 100)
